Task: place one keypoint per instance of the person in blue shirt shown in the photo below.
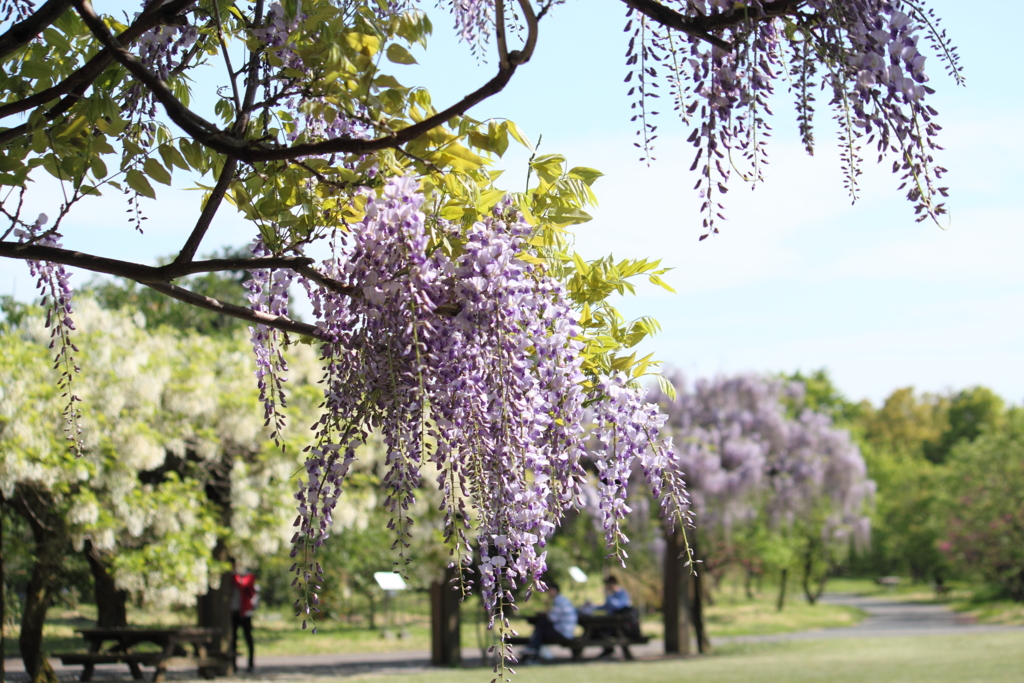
(557, 625)
(616, 598)
(616, 601)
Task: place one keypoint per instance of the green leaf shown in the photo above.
(76, 127)
(132, 149)
(157, 172)
(498, 133)
(386, 81)
(362, 43)
(655, 280)
(568, 216)
(519, 135)
(399, 55)
(548, 167)
(172, 157)
(581, 266)
(138, 182)
(587, 175)
(460, 158)
(99, 169)
(488, 198)
(666, 387)
(36, 69)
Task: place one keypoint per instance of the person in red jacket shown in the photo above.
(244, 598)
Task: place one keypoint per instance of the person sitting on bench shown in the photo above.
(556, 626)
(618, 602)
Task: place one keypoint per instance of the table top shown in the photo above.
(140, 634)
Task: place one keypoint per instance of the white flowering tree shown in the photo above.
(452, 316)
(175, 462)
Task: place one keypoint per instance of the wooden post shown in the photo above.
(675, 606)
(697, 613)
(444, 622)
(697, 600)
(3, 579)
(214, 611)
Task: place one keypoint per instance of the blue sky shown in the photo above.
(799, 278)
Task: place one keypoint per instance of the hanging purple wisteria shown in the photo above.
(469, 364)
(54, 286)
(720, 59)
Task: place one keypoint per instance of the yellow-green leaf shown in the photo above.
(519, 135)
(138, 182)
(399, 55)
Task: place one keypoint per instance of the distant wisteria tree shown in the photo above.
(748, 462)
(451, 315)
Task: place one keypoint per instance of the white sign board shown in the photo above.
(389, 581)
(578, 575)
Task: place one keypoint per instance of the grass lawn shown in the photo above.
(277, 633)
(988, 658)
(733, 614)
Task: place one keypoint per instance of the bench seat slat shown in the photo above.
(147, 658)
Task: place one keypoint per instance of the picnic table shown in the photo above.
(599, 630)
(118, 646)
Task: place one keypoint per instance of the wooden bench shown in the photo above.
(599, 630)
(173, 644)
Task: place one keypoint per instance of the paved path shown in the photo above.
(886, 618)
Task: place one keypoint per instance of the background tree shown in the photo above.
(765, 481)
(171, 438)
(983, 501)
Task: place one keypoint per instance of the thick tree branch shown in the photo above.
(146, 274)
(250, 151)
(278, 322)
(499, 33)
(158, 278)
(24, 31)
(700, 27)
(532, 25)
(227, 174)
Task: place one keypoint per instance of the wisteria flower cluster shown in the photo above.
(627, 430)
(268, 293)
(277, 34)
(162, 48)
(53, 283)
(473, 19)
(865, 54)
(468, 366)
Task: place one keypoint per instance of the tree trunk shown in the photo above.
(814, 593)
(445, 624)
(675, 603)
(697, 605)
(372, 613)
(51, 539)
(110, 601)
(748, 582)
(214, 610)
(808, 566)
(784, 579)
(3, 586)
